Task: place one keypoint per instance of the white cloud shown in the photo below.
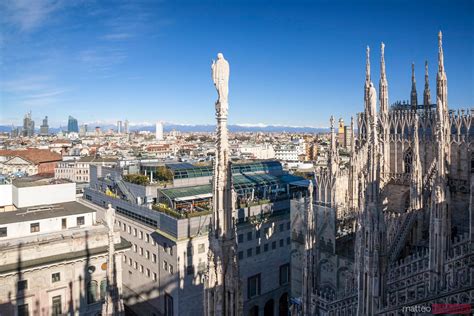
(27, 15)
(101, 58)
(33, 90)
(117, 36)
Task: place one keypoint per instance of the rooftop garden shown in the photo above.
(183, 213)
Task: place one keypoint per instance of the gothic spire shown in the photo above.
(427, 92)
(222, 292)
(414, 95)
(367, 68)
(383, 85)
(440, 53)
(441, 79)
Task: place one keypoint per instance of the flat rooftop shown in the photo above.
(34, 181)
(43, 212)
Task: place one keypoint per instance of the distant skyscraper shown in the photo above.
(159, 131)
(126, 127)
(119, 127)
(28, 125)
(83, 130)
(44, 128)
(72, 126)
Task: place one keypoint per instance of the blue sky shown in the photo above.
(292, 62)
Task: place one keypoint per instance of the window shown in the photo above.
(274, 245)
(171, 269)
(257, 250)
(265, 247)
(241, 255)
(92, 292)
(141, 251)
(141, 235)
(282, 227)
(135, 265)
(129, 229)
(64, 223)
(23, 310)
(135, 248)
(3, 232)
(249, 252)
(55, 277)
(103, 289)
(124, 227)
(249, 236)
(154, 258)
(22, 285)
(80, 220)
(56, 306)
(408, 160)
(168, 305)
(253, 286)
(282, 242)
(284, 274)
(171, 250)
(154, 276)
(165, 265)
(34, 227)
(288, 226)
(124, 258)
(201, 248)
(240, 238)
(130, 261)
(288, 240)
(141, 268)
(147, 254)
(148, 272)
(257, 234)
(135, 232)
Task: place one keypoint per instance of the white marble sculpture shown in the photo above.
(220, 76)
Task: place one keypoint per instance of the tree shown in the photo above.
(164, 174)
(136, 179)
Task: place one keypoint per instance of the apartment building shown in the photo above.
(168, 228)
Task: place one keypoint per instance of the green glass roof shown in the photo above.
(241, 182)
(206, 171)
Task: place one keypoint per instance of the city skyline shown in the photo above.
(138, 56)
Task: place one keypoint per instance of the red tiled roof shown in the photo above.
(33, 154)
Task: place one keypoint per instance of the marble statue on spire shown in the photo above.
(220, 76)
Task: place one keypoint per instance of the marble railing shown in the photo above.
(408, 267)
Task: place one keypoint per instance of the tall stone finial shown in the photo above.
(367, 68)
(382, 61)
(441, 79)
(440, 52)
(383, 84)
(222, 289)
(413, 95)
(426, 92)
